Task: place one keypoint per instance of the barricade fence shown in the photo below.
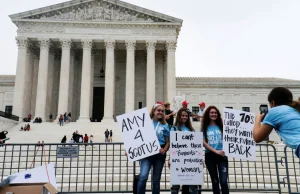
(104, 168)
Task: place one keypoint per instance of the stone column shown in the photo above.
(40, 108)
(71, 97)
(49, 98)
(92, 81)
(171, 70)
(36, 54)
(19, 91)
(28, 80)
(56, 79)
(150, 85)
(109, 80)
(130, 76)
(63, 96)
(85, 81)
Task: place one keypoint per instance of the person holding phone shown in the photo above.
(215, 159)
(284, 117)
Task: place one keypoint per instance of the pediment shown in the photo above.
(95, 10)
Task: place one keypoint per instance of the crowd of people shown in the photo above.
(284, 117)
(65, 118)
(78, 138)
(29, 117)
(25, 128)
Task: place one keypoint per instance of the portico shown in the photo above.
(61, 54)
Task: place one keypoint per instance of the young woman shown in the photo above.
(157, 161)
(215, 159)
(183, 123)
(284, 117)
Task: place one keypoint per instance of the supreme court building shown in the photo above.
(93, 58)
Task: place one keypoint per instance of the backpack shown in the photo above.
(3, 135)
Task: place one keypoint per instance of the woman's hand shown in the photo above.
(259, 118)
(220, 152)
(162, 151)
(169, 164)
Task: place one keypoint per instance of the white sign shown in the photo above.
(177, 103)
(186, 156)
(36, 175)
(138, 134)
(238, 134)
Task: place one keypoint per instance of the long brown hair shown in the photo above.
(179, 123)
(161, 120)
(206, 120)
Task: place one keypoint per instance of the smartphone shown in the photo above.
(263, 108)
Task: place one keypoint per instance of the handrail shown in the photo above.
(9, 116)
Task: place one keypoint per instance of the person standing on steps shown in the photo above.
(86, 139)
(169, 114)
(215, 159)
(64, 139)
(61, 120)
(156, 161)
(106, 134)
(110, 135)
(201, 111)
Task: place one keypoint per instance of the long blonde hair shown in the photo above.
(161, 120)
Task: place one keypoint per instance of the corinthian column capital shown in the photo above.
(65, 43)
(87, 43)
(110, 44)
(151, 44)
(44, 43)
(130, 44)
(171, 45)
(22, 42)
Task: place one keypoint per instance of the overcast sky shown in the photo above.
(219, 38)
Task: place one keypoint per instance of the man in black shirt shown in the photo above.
(184, 106)
(169, 114)
(106, 133)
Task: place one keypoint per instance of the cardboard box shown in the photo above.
(37, 188)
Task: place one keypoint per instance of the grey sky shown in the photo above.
(228, 38)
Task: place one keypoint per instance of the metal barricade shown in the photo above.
(292, 165)
(104, 168)
(99, 168)
(244, 176)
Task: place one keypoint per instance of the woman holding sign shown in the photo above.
(157, 161)
(183, 123)
(284, 117)
(215, 159)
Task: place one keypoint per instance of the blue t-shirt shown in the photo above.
(214, 137)
(162, 131)
(286, 121)
(183, 128)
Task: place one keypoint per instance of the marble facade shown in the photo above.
(62, 48)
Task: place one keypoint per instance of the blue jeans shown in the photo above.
(193, 189)
(157, 161)
(217, 167)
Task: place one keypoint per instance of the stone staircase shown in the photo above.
(103, 167)
(53, 133)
